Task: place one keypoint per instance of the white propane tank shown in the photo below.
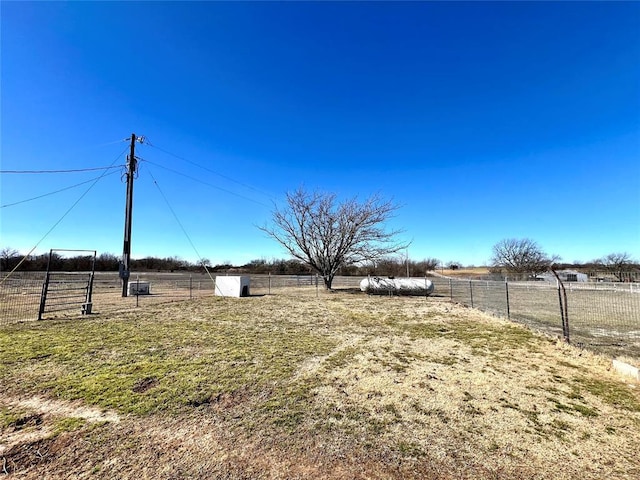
(397, 286)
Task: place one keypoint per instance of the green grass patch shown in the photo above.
(616, 394)
(342, 357)
(482, 337)
(68, 424)
(572, 407)
(410, 449)
(158, 361)
(12, 417)
(288, 407)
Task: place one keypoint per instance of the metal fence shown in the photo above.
(20, 294)
(20, 297)
(601, 316)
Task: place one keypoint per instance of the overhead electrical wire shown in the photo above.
(86, 147)
(76, 170)
(112, 143)
(104, 174)
(226, 177)
(155, 182)
(61, 218)
(56, 191)
(203, 182)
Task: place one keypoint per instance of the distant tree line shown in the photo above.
(107, 262)
(390, 266)
(515, 258)
(526, 259)
(620, 265)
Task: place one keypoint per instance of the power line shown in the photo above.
(71, 171)
(61, 218)
(63, 171)
(203, 182)
(57, 191)
(246, 185)
(155, 182)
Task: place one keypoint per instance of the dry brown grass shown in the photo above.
(476, 272)
(374, 387)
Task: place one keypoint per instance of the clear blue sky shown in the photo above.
(484, 121)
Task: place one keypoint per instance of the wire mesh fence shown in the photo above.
(20, 297)
(20, 294)
(602, 317)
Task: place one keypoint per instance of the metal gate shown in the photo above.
(67, 290)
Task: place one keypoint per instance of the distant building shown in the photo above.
(565, 276)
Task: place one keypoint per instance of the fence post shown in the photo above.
(426, 290)
(45, 289)
(43, 297)
(450, 290)
(269, 283)
(317, 293)
(471, 292)
(88, 303)
(566, 313)
(190, 287)
(564, 333)
(137, 288)
(506, 287)
(563, 308)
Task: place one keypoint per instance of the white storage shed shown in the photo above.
(233, 286)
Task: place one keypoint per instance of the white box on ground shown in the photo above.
(626, 369)
(139, 288)
(232, 286)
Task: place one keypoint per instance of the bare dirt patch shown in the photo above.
(30, 426)
(58, 408)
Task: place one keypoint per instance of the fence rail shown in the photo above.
(604, 317)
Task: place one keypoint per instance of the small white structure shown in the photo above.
(565, 276)
(232, 286)
(397, 286)
(139, 288)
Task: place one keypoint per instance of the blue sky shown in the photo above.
(483, 120)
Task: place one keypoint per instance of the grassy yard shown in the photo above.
(342, 386)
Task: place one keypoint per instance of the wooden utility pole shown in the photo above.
(125, 264)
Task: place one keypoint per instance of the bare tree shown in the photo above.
(617, 264)
(520, 256)
(325, 234)
(7, 256)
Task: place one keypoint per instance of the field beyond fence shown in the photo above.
(603, 317)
